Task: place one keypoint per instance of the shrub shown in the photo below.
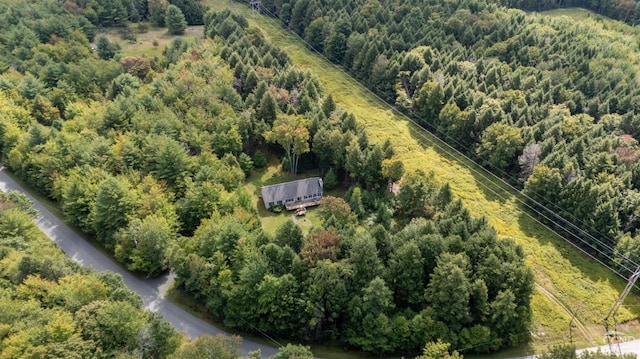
(259, 160)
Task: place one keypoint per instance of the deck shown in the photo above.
(303, 204)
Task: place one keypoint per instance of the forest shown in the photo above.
(51, 307)
(149, 157)
(548, 104)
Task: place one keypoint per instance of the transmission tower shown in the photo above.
(631, 282)
(255, 5)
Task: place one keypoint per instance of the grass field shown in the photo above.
(573, 13)
(572, 279)
(149, 43)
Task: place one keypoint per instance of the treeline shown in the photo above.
(378, 288)
(152, 163)
(625, 10)
(120, 12)
(547, 104)
(569, 352)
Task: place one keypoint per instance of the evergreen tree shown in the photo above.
(175, 21)
(355, 202)
(406, 275)
(449, 290)
(106, 49)
(157, 11)
(330, 180)
(289, 234)
(111, 210)
(328, 106)
(267, 110)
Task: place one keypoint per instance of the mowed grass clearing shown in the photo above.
(273, 174)
(573, 279)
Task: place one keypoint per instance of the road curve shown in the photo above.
(150, 290)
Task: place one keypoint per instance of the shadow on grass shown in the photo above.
(492, 191)
(588, 267)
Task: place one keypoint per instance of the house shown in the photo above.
(293, 195)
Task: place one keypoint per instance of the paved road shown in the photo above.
(631, 347)
(151, 290)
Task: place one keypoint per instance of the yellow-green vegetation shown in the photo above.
(613, 29)
(51, 305)
(149, 42)
(572, 13)
(572, 278)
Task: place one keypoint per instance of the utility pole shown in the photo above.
(573, 317)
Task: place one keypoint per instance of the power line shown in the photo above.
(451, 139)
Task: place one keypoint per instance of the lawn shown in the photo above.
(571, 278)
(273, 174)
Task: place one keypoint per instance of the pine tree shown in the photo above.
(330, 180)
(268, 107)
(328, 106)
(106, 49)
(110, 211)
(175, 21)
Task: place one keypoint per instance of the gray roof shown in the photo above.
(291, 190)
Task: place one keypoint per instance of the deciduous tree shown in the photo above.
(393, 170)
(142, 245)
(500, 145)
(210, 346)
(292, 133)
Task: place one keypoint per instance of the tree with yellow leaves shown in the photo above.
(292, 133)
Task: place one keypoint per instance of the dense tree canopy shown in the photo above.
(50, 305)
(537, 100)
(154, 165)
(627, 10)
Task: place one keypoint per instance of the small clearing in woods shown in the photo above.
(149, 43)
